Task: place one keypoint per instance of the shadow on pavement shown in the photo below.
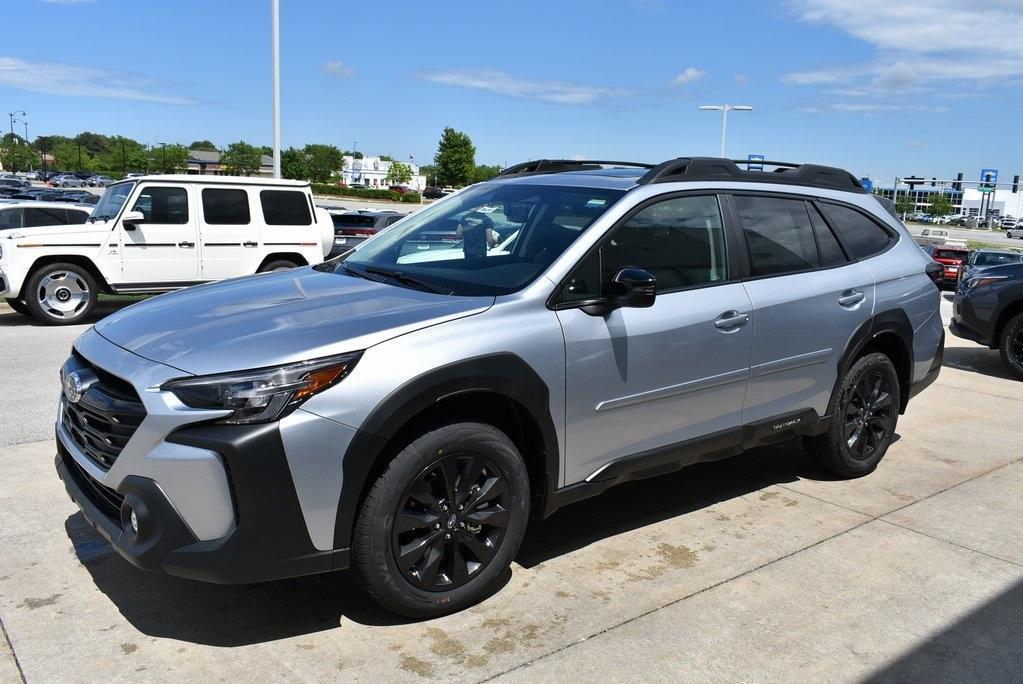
(218, 615)
(977, 360)
(982, 646)
(11, 319)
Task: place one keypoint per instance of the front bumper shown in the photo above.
(269, 541)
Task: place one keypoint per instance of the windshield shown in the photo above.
(491, 239)
(112, 201)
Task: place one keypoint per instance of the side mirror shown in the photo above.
(634, 287)
(630, 288)
(131, 219)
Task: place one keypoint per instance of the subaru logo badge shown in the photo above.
(77, 383)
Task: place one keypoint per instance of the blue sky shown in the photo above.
(881, 88)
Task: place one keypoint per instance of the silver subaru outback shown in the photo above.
(404, 409)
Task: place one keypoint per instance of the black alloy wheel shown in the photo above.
(450, 522)
(868, 415)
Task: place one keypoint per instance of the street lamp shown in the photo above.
(724, 109)
(20, 112)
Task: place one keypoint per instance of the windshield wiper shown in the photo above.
(407, 279)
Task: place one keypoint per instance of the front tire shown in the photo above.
(1011, 345)
(19, 306)
(864, 415)
(60, 294)
(441, 525)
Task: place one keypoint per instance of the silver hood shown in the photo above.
(276, 318)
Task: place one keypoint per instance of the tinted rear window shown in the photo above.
(778, 234)
(949, 254)
(285, 208)
(862, 237)
(358, 220)
(225, 207)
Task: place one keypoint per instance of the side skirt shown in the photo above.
(674, 457)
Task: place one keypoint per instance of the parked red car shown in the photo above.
(951, 258)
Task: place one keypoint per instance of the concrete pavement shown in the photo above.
(756, 568)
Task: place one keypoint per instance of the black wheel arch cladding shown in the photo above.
(881, 326)
(504, 374)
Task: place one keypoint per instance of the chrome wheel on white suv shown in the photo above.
(60, 294)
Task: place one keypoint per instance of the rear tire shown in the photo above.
(19, 306)
(277, 265)
(60, 294)
(1011, 345)
(864, 415)
(440, 527)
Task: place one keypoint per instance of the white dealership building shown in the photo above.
(372, 172)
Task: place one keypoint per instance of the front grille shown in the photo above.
(105, 418)
(104, 498)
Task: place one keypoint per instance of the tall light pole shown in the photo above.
(724, 109)
(277, 86)
(20, 112)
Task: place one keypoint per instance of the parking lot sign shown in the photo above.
(755, 158)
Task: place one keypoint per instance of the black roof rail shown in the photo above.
(714, 168)
(541, 166)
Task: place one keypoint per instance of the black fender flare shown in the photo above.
(891, 321)
(504, 374)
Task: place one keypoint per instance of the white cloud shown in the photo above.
(740, 79)
(51, 78)
(688, 76)
(917, 144)
(494, 81)
(69, 2)
(920, 47)
(870, 108)
(337, 68)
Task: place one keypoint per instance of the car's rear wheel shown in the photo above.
(442, 524)
(19, 306)
(277, 265)
(864, 415)
(60, 294)
(1011, 345)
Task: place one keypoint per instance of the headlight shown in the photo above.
(264, 395)
(980, 281)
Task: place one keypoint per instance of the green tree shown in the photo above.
(455, 158)
(16, 154)
(293, 164)
(69, 156)
(322, 162)
(399, 174)
(168, 158)
(267, 150)
(241, 159)
(904, 204)
(484, 173)
(204, 145)
(941, 205)
(386, 157)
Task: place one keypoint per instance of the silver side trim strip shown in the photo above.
(791, 362)
(673, 390)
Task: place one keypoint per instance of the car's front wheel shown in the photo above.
(864, 414)
(443, 522)
(1011, 345)
(277, 265)
(19, 306)
(60, 294)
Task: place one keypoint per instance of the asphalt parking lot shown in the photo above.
(756, 568)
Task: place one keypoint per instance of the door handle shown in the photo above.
(851, 298)
(186, 244)
(731, 319)
(250, 244)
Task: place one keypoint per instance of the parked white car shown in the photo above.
(161, 233)
(29, 214)
(937, 236)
